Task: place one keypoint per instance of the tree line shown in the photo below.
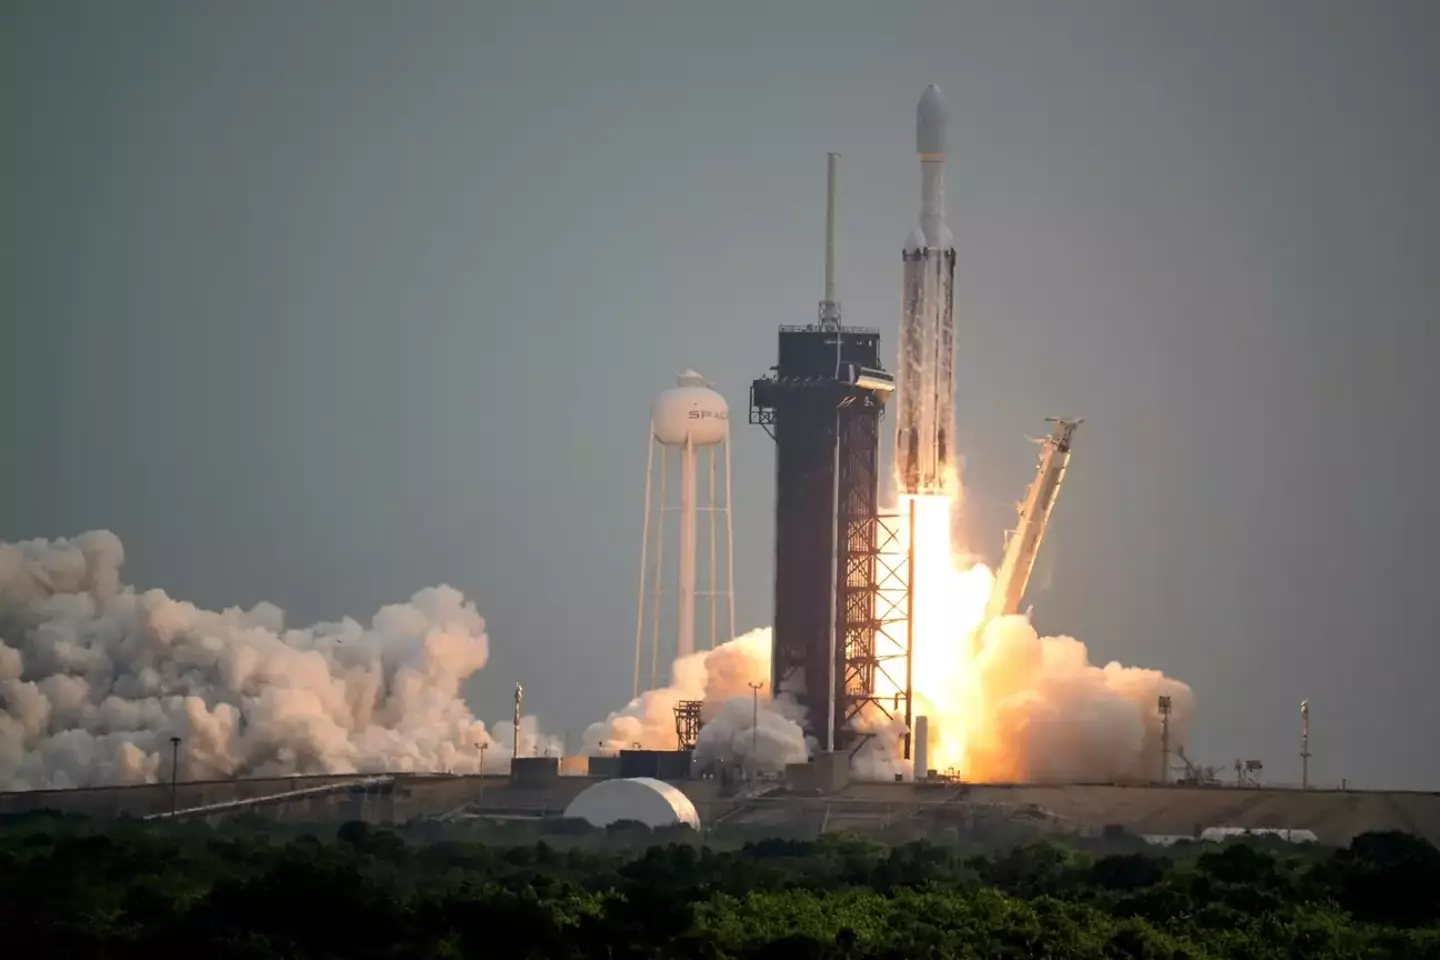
(70, 887)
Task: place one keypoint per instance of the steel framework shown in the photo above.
(688, 723)
(879, 608)
(839, 586)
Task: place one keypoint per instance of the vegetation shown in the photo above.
(69, 887)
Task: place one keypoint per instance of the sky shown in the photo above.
(323, 303)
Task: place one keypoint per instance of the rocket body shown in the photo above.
(925, 387)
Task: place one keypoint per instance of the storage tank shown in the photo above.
(651, 802)
(920, 748)
(690, 410)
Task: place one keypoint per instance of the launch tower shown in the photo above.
(835, 586)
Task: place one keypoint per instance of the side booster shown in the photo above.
(925, 420)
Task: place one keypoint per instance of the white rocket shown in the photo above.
(925, 423)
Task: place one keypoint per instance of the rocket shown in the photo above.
(925, 389)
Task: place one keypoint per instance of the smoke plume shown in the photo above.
(1041, 712)
(764, 739)
(96, 677)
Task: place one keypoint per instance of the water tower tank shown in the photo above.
(690, 407)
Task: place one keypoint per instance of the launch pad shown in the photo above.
(1334, 816)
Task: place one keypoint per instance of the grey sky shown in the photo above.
(324, 302)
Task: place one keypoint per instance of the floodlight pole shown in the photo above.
(755, 719)
(1164, 705)
(174, 773)
(1304, 744)
(482, 747)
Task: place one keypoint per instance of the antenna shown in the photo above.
(830, 307)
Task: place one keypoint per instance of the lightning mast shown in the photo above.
(1022, 544)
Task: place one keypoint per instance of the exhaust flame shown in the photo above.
(1016, 706)
(1005, 704)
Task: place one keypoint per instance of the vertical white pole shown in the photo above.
(644, 543)
(834, 578)
(730, 544)
(830, 164)
(920, 749)
(685, 632)
(714, 600)
(659, 569)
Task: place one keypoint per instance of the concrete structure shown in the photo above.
(827, 774)
(651, 802)
(832, 771)
(656, 764)
(604, 767)
(534, 773)
(934, 809)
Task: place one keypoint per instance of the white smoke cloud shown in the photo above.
(881, 756)
(720, 679)
(96, 677)
(1036, 710)
(1044, 713)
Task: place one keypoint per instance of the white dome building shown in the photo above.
(651, 802)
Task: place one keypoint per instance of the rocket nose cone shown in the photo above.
(930, 118)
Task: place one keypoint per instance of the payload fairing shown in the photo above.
(925, 423)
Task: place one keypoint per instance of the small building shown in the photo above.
(1221, 834)
(534, 773)
(656, 764)
(603, 766)
(574, 766)
(828, 772)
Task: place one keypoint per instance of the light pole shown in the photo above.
(174, 771)
(754, 720)
(1164, 739)
(1304, 744)
(515, 748)
(482, 747)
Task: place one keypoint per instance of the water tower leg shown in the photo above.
(685, 636)
(644, 545)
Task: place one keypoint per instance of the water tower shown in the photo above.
(688, 419)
